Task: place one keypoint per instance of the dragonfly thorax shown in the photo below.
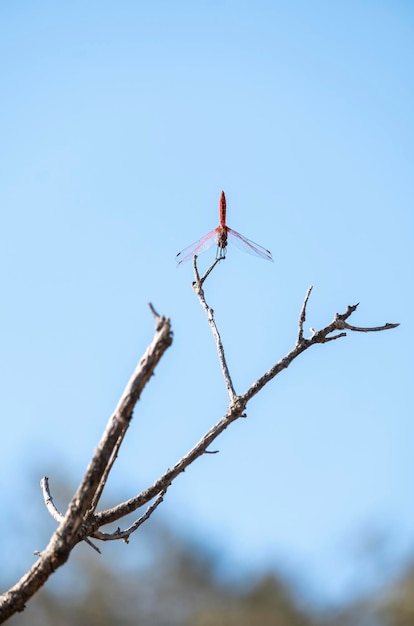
(221, 237)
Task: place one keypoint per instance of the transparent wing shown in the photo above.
(198, 247)
(248, 246)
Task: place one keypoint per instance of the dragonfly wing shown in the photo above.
(198, 247)
(248, 246)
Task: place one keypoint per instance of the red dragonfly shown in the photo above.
(220, 236)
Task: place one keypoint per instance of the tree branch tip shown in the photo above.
(153, 311)
(211, 451)
(92, 545)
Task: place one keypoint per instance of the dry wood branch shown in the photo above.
(80, 520)
(125, 534)
(198, 288)
(373, 329)
(208, 271)
(117, 426)
(235, 410)
(302, 317)
(50, 505)
(321, 336)
(104, 477)
(74, 526)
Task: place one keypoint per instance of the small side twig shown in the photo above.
(125, 534)
(373, 329)
(80, 520)
(47, 497)
(208, 271)
(321, 336)
(236, 408)
(302, 316)
(55, 513)
(327, 339)
(75, 524)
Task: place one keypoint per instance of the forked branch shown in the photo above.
(81, 521)
(238, 403)
(74, 525)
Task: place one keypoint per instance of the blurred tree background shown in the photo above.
(164, 579)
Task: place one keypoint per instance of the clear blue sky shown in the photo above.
(120, 124)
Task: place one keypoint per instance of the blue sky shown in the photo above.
(120, 124)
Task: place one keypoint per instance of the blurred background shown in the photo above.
(120, 124)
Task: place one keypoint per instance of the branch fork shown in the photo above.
(81, 522)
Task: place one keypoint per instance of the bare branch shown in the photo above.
(198, 288)
(235, 410)
(117, 427)
(210, 269)
(302, 316)
(50, 505)
(79, 523)
(373, 329)
(92, 545)
(105, 474)
(124, 534)
(321, 336)
(326, 339)
(117, 445)
(72, 527)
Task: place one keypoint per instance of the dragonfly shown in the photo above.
(220, 236)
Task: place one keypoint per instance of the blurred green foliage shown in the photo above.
(181, 587)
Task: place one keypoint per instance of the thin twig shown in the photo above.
(198, 288)
(47, 497)
(55, 513)
(374, 329)
(321, 336)
(105, 474)
(79, 523)
(327, 339)
(118, 424)
(92, 545)
(302, 316)
(75, 523)
(236, 409)
(125, 534)
(208, 271)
